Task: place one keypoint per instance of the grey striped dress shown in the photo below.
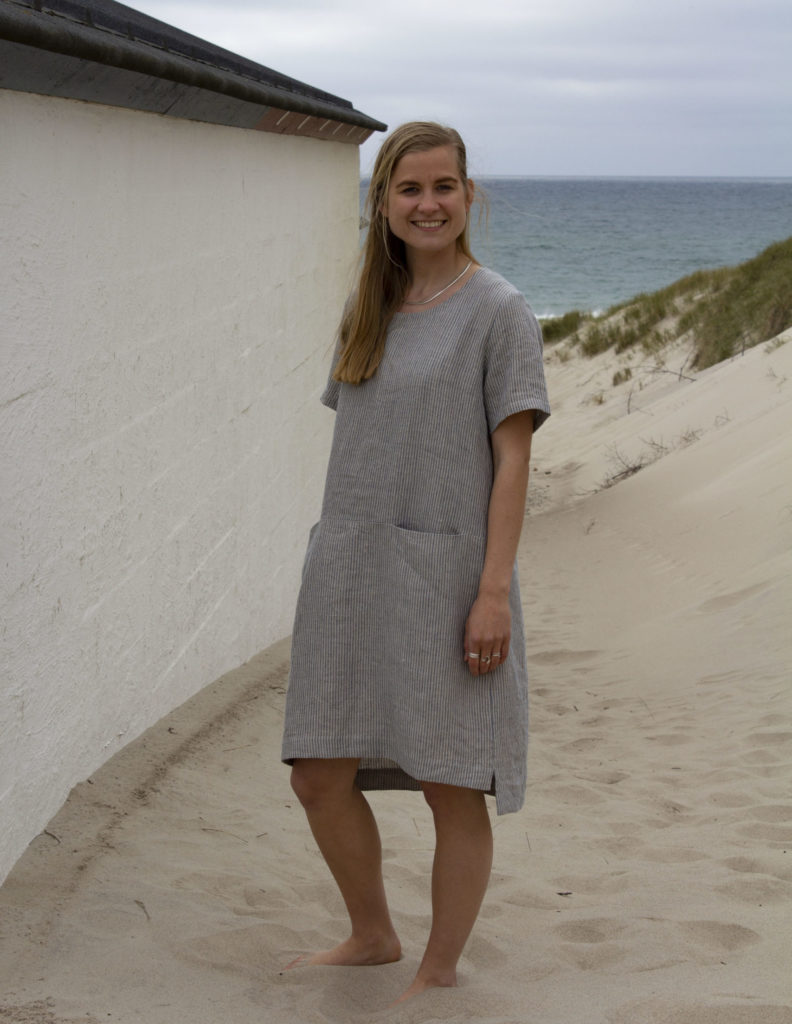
(393, 565)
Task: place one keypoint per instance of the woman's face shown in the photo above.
(427, 203)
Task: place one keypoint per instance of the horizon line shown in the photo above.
(626, 177)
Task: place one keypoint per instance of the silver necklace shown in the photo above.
(423, 302)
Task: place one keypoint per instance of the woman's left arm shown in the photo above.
(488, 627)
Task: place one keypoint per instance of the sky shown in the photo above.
(540, 87)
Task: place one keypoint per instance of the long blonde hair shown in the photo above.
(384, 279)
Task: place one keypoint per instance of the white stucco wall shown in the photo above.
(169, 292)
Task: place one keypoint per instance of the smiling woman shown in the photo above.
(408, 660)
(418, 240)
(427, 206)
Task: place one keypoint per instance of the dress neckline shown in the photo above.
(439, 305)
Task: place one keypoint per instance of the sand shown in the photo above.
(648, 880)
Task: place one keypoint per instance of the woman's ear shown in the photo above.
(471, 192)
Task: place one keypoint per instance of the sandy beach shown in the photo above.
(647, 880)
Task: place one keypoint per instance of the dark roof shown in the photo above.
(106, 52)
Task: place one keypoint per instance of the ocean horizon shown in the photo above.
(591, 242)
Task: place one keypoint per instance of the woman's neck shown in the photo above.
(430, 272)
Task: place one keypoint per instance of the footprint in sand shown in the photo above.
(590, 944)
(672, 739)
(609, 777)
(673, 854)
(253, 952)
(562, 657)
(575, 796)
(727, 799)
(772, 812)
(659, 1009)
(757, 891)
(718, 935)
(596, 929)
(774, 835)
(768, 721)
(771, 739)
(583, 744)
(754, 866)
(761, 758)
(39, 1012)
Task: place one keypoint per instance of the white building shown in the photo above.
(179, 229)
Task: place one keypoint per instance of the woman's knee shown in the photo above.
(317, 782)
(444, 799)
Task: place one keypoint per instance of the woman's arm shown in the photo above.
(488, 627)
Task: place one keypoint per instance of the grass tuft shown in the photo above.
(724, 311)
(559, 327)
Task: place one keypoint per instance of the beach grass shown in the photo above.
(723, 311)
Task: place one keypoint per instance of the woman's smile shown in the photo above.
(427, 201)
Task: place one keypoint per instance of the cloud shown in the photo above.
(524, 75)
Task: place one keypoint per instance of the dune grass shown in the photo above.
(724, 311)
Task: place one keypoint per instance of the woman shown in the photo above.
(408, 666)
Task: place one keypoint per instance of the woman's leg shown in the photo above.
(346, 833)
(462, 864)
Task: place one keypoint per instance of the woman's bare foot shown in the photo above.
(354, 952)
(423, 982)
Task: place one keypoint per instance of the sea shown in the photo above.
(591, 243)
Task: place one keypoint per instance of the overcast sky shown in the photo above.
(545, 87)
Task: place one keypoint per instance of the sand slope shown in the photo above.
(648, 880)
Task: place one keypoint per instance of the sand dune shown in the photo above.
(648, 879)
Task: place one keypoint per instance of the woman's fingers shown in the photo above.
(472, 655)
(492, 660)
(483, 658)
(487, 634)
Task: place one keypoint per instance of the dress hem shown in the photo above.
(394, 777)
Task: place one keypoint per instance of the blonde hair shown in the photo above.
(384, 278)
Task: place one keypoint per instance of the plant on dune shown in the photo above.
(623, 466)
(775, 344)
(559, 327)
(724, 311)
(599, 337)
(753, 304)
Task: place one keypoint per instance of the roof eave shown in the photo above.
(81, 45)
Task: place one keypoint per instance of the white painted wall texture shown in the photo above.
(170, 291)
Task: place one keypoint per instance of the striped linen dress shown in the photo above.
(393, 565)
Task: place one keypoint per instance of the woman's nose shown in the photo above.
(428, 201)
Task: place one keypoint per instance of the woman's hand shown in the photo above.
(488, 627)
(487, 633)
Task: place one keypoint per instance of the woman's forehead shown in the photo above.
(439, 162)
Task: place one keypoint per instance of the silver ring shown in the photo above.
(472, 655)
(486, 660)
(498, 655)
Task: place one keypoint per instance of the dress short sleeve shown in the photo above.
(329, 396)
(514, 379)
